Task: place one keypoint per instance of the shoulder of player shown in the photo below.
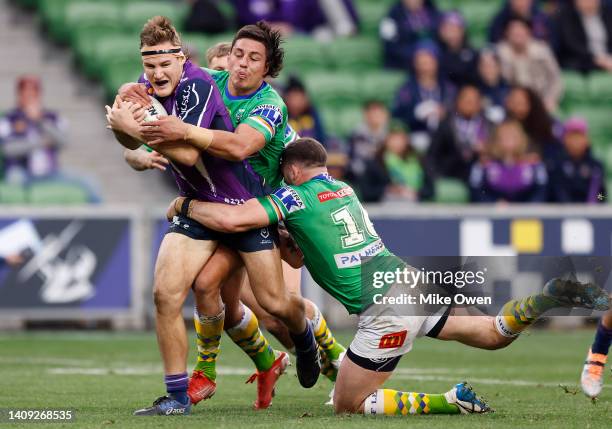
(194, 89)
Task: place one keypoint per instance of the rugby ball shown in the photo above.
(155, 110)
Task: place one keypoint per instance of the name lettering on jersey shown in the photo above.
(393, 340)
(353, 259)
(289, 199)
(268, 115)
(331, 195)
(185, 97)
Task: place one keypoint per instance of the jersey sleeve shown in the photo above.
(268, 119)
(195, 104)
(283, 204)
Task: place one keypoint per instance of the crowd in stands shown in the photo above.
(486, 114)
(489, 118)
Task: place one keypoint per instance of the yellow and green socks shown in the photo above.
(209, 330)
(388, 402)
(518, 314)
(249, 338)
(324, 337)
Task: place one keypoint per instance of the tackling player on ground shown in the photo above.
(341, 249)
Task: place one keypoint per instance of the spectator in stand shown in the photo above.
(320, 18)
(408, 178)
(365, 142)
(585, 35)
(527, 10)
(577, 177)
(524, 106)
(407, 22)
(457, 57)
(303, 116)
(205, 16)
(461, 138)
(421, 102)
(507, 173)
(529, 62)
(30, 136)
(492, 85)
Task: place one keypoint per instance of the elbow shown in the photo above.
(238, 153)
(230, 223)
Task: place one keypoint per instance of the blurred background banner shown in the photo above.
(80, 265)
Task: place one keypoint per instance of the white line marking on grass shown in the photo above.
(46, 361)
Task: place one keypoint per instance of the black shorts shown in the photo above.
(265, 238)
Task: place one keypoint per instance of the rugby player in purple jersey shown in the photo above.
(190, 94)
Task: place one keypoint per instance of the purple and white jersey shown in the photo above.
(197, 101)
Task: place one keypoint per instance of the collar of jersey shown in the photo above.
(324, 176)
(242, 97)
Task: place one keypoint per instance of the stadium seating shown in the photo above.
(57, 192)
(12, 194)
(450, 191)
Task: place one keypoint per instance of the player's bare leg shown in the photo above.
(517, 315)
(265, 274)
(592, 378)
(225, 267)
(358, 390)
(178, 263)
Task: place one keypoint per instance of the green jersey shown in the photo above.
(265, 111)
(339, 243)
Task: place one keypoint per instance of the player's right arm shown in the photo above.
(222, 217)
(141, 160)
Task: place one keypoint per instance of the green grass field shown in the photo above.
(104, 377)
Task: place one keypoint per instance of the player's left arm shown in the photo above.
(222, 217)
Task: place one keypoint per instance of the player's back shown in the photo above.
(335, 234)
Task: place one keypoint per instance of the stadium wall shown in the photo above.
(96, 263)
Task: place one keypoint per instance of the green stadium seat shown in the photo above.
(137, 13)
(118, 73)
(53, 14)
(576, 88)
(355, 53)
(600, 88)
(335, 90)
(381, 85)
(450, 191)
(12, 194)
(370, 15)
(341, 122)
(58, 192)
(303, 54)
(109, 50)
(83, 13)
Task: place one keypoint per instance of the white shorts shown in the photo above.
(387, 331)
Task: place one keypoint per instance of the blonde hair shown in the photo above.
(496, 151)
(221, 49)
(159, 29)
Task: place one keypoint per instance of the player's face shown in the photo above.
(218, 63)
(247, 65)
(163, 71)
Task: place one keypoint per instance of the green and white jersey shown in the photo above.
(335, 234)
(265, 111)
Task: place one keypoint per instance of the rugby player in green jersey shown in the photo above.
(260, 118)
(341, 249)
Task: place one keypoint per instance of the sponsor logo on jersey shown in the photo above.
(393, 340)
(289, 199)
(330, 195)
(268, 115)
(353, 259)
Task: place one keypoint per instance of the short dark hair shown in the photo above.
(271, 39)
(306, 151)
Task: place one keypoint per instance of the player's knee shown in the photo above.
(344, 405)
(166, 301)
